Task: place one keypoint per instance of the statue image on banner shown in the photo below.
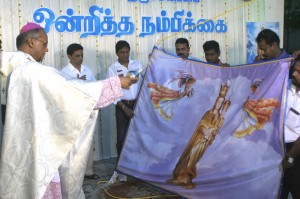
(208, 127)
(259, 112)
(164, 99)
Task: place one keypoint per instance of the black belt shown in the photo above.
(128, 102)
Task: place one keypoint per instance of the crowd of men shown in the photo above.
(120, 89)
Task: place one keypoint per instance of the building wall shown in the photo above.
(99, 51)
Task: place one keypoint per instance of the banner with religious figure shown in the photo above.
(204, 131)
(252, 30)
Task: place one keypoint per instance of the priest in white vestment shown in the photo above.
(49, 123)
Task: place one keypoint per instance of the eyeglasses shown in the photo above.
(45, 44)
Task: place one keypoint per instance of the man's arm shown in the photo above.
(225, 65)
(296, 53)
(128, 112)
(293, 153)
(112, 90)
(295, 150)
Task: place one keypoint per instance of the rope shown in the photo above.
(105, 190)
(290, 59)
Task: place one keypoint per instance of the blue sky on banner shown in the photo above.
(205, 131)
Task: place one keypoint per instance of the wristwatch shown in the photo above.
(290, 160)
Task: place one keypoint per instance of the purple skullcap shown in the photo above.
(29, 26)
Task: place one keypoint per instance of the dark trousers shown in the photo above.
(3, 109)
(122, 125)
(291, 178)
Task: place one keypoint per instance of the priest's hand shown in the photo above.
(134, 80)
(125, 82)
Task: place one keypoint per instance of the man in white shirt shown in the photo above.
(291, 161)
(1, 111)
(76, 69)
(124, 66)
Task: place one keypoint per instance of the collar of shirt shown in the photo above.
(16, 59)
(220, 63)
(29, 57)
(72, 68)
(293, 89)
(123, 70)
(283, 55)
(118, 65)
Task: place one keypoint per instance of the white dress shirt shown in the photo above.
(120, 70)
(84, 70)
(292, 121)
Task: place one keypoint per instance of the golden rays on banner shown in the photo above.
(261, 111)
(207, 129)
(258, 110)
(165, 99)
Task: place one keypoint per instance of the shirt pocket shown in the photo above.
(293, 119)
(120, 73)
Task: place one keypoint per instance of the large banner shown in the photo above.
(204, 131)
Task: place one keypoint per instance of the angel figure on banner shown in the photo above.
(164, 98)
(208, 127)
(259, 112)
